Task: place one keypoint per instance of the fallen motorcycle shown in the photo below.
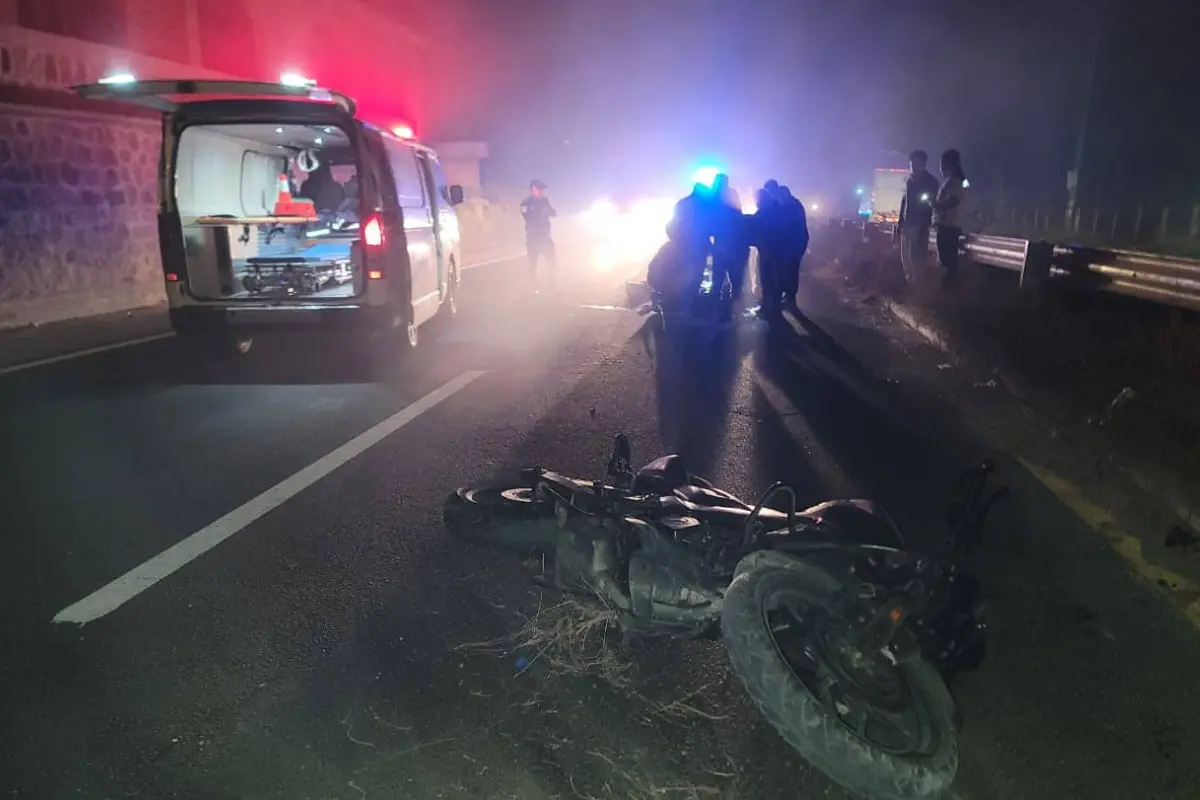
(842, 637)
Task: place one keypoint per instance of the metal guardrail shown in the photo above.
(1169, 280)
(996, 251)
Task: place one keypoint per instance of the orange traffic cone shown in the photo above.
(283, 203)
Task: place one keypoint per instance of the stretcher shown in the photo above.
(318, 267)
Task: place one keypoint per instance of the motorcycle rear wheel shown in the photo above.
(811, 724)
(500, 515)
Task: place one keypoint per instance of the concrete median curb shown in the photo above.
(925, 331)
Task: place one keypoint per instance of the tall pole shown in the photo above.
(1073, 175)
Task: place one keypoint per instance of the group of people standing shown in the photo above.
(710, 223)
(928, 205)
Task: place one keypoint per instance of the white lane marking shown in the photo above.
(91, 351)
(42, 362)
(512, 257)
(108, 598)
(622, 309)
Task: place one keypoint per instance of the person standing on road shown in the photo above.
(690, 232)
(731, 243)
(767, 237)
(916, 215)
(794, 244)
(949, 212)
(537, 213)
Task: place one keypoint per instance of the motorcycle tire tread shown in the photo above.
(802, 720)
(507, 525)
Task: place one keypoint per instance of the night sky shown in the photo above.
(627, 96)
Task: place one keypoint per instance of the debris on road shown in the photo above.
(1122, 399)
(570, 637)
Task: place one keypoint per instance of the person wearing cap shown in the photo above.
(537, 213)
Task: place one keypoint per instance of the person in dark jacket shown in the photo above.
(680, 264)
(767, 238)
(537, 212)
(916, 215)
(731, 242)
(794, 243)
(321, 187)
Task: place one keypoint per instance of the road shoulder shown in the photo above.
(1126, 500)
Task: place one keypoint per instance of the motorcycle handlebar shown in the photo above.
(748, 533)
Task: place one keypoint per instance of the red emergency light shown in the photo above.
(403, 132)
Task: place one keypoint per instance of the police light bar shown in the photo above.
(296, 79)
(118, 78)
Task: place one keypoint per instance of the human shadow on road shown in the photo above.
(695, 367)
(820, 341)
(854, 420)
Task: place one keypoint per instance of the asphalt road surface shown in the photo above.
(255, 598)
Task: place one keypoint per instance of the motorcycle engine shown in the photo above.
(665, 583)
(684, 529)
(660, 592)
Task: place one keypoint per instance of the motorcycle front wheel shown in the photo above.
(883, 730)
(501, 515)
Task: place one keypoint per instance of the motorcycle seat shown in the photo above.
(664, 475)
(708, 496)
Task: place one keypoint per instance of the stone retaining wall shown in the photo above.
(78, 234)
(77, 208)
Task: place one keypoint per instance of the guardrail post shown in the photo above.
(1036, 270)
(1163, 224)
(1194, 228)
